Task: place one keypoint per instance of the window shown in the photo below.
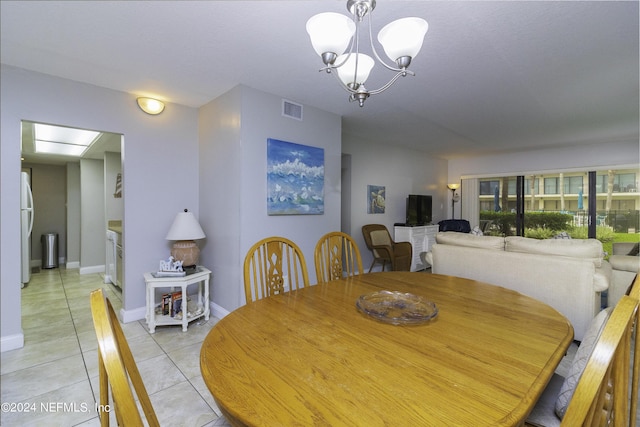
(617, 209)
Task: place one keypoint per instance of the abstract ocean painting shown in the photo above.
(295, 179)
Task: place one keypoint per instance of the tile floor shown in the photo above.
(56, 372)
(55, 375)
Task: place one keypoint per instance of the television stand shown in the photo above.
(421, 237)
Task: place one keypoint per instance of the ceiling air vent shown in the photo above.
(291, 110)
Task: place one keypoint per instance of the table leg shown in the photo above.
(185, 319)
(205, 305)
(151, 312)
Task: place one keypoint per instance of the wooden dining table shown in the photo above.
(311, 358)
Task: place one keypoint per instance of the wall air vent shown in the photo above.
(291, 110)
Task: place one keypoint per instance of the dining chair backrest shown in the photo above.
(272, 266)
(602, 393)
(117, 368)
(635, 371)
(335, 255)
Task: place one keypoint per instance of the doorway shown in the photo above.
(73, 194)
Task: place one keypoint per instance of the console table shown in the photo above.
(200, 277)
(421, 238)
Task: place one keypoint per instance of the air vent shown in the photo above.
(291, 110)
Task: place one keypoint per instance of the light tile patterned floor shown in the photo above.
(54, 377)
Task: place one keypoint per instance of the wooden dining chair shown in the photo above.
(336, 254)
(118, 369)
(272, 266)
(601, 395)
(634, 292)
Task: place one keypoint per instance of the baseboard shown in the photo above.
(92, 269)
(12, 342)
(217, 311)
(73, 264)
(136, 314)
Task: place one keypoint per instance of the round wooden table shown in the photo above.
(310, 357)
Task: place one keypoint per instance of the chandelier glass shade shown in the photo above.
(333, 34)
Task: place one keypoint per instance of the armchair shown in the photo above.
(384, 249)
(625, 264)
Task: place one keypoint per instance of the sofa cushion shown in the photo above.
(602, 277)
(470, 240)
(625, 263)
(476, 231)
(573, 248)
(563, 235)
(580, 361)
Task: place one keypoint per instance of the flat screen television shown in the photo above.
(419, 209)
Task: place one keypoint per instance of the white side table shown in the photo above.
(200, 277)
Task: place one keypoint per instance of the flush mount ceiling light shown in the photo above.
(332, 33)
(150, 105)
(62, 140)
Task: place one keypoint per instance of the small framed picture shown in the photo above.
(375, 199)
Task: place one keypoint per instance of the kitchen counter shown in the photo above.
(115, 226)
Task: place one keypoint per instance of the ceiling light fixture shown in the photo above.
(49, 139)
(150, 105)
(331, 34)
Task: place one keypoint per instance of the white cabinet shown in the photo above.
(421, 238)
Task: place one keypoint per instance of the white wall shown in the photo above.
(92, 216)
(233, 201)
(48, 183)
(402, 172)
(591, 157)
(160, 175)
(73, 215)
(114, 206)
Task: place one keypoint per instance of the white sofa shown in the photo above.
(625, 267)
(569, 275)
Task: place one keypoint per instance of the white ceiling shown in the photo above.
(491, 76)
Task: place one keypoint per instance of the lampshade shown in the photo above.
(346, 72)
(454, 186)
(330, 32)
(150, 105)
(185, 227)
(403, 37)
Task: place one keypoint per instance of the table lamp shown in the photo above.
(184, 230)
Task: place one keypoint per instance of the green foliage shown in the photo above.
(554, 221)
(539, 233)
(504, 223)
(604, 234)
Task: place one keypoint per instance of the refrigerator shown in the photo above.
(26, 226)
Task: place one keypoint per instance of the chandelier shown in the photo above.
(332, 34)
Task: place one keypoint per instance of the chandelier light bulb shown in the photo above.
(403, 37)
(330, 33)
(348, 70)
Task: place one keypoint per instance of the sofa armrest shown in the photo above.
(602, 277)
(625, 263)
(383, 251)
(622, 248)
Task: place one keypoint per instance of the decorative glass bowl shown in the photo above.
(397, 308)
